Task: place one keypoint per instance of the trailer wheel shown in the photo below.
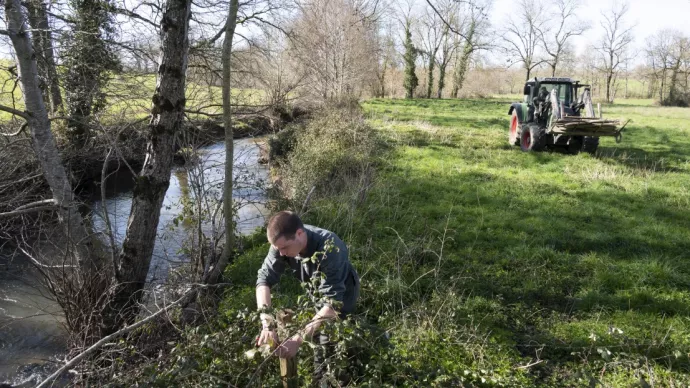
(532, 138)
(590, 144)
(513, 138)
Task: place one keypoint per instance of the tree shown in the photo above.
(386, 59)
(88, 60)
(409, 58)
(334, 40)
(668, 53)
(431, 31)
(523, 33)
(447, 50)
(167, 114)
(45, 57)
(613, 45)
(566, 26)
(216, 269)
(83, 269)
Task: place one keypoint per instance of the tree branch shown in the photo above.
(24, 115)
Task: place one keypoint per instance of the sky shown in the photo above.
(647, 16)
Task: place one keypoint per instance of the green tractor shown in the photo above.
(556, 115)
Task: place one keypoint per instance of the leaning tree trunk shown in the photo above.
(43, 43)
(80, 280)
(153, 181)
(217, 269)
(43, 141)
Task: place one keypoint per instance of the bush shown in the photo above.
(332, 152)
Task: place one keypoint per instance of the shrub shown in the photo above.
(332, 152)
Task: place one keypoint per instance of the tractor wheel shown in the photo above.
(532, 138)
(513, 138)
(590, 144)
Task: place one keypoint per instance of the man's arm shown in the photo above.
(268, 275)
(263, 296)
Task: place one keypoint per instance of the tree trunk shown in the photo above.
(43, 47)
(441, 80)
(461, 68)
(217, 269)
(167, 115)
(430, 74)
(672, 92)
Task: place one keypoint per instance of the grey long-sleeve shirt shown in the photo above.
(341, 282)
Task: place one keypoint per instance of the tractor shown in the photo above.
(555, 115)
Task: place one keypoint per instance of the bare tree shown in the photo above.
(565, 26)
(522, 35)
(613, 45)
(667, 52)
(167, 115)
(216, 269)
(473, 21)
(446, 54)
(334, 40)
(83, 268)
(430, 34)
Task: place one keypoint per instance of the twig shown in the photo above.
(24, 115)
(21, 129)
(530, 365)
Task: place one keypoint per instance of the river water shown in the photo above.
(31, 333)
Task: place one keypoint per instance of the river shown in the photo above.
(31, 333)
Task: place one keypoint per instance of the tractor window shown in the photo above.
(563, 90)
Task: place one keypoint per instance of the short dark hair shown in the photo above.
(283, 224)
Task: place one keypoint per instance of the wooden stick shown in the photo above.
(288, 366)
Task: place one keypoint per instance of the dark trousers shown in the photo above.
(325, 349)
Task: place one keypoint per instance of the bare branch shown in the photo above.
(24, 115)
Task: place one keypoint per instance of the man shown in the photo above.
(292, 246)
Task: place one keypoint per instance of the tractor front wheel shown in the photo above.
(532, 138)
(513, 138)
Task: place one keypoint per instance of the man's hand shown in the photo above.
(289, 348)
(268, 337)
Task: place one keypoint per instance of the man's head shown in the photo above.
(285, 232)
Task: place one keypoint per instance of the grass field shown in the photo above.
(129, 97)
(577, 263)
(529, 269)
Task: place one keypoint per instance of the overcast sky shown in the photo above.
(647, 16)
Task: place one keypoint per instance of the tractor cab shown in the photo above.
(538, 90)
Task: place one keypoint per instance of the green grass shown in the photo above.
(129, 97)
(565, 246)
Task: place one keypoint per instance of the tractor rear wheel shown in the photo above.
(590, 144)
(532, 138)
(513, 138)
